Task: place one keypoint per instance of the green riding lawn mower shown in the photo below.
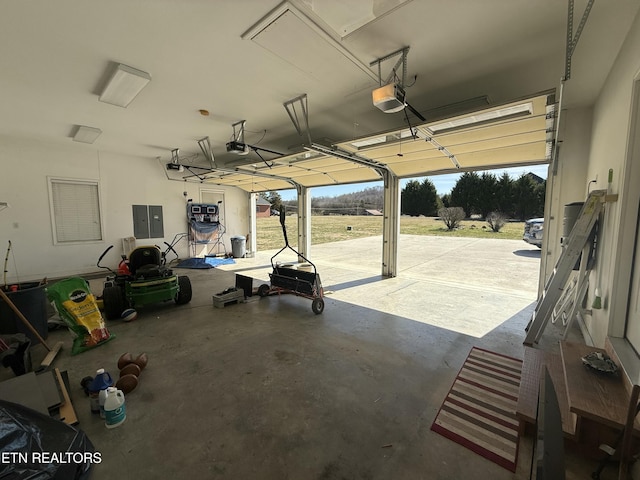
(141, 280)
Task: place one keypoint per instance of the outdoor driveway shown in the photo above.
(468, 285)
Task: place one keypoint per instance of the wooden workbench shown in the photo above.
(601, 398)
(593, 405)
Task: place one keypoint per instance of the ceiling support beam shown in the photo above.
(238, 131)
(205, 147)
(304, 222)
(572, 40)
(401, 61)
(301, 122)
(390, 224)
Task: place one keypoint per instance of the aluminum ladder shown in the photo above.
(555, 286)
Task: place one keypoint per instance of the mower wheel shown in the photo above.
(263, 290)
(317, 305)
(113, 302)
(184, 294)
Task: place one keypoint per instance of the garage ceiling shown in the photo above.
(242, 60)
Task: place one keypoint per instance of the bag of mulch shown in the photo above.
(77, 307)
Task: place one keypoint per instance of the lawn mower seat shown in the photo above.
(145, 262)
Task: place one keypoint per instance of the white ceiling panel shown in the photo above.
(244, 59)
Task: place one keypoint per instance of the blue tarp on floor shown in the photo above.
(193, 263)
(207, 262)
(215, 261)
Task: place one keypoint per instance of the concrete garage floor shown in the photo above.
(269, 390)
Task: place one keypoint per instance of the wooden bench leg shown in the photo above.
(625, 446)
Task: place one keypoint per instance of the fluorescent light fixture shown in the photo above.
(300, 157)
(124, 85)
(369, 142)
(381, 140)
(483, 117)
(407, 133)
(389, 98)
(86, 134)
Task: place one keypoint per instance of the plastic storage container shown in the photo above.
(31, 300)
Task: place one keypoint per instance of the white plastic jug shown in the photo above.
(102, 396)
(115, 411)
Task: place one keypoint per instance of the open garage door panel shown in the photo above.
(518, 133)
(515, 134)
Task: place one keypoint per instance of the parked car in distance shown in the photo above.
(533, 231)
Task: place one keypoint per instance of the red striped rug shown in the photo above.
(479, 411)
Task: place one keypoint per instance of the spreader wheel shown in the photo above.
(317, 305)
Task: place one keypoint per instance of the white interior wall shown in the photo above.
(610, 148)
(124, 181)
(593, 141)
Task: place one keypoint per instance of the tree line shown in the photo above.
(475, 194)
(521, 199)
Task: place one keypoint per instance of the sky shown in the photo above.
(443, 183)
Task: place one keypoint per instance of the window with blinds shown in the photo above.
(75, 206)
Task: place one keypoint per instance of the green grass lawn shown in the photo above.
(325, 229)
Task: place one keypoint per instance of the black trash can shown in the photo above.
(238, 246)
(31, 301)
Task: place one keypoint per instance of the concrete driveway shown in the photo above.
(467, 285)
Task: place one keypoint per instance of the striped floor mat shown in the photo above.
(480, 410)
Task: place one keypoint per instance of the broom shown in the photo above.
(597, 301)
(6, 261)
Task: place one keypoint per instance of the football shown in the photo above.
(127, 383)
(124, 360)
(141, 360)
(131, 369)
(129, 314)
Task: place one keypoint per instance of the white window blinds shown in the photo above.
(76, 210)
